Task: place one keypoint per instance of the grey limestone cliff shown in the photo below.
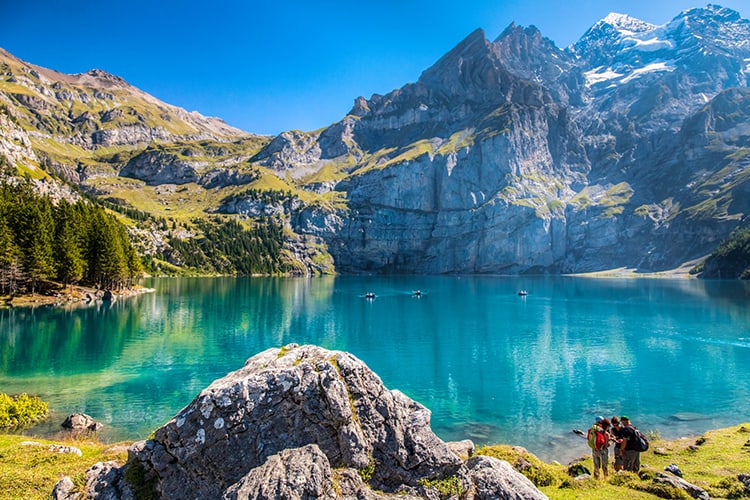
(515, 156)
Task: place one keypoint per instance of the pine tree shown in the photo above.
(9, 263)
(107, 260)
(35, 229)
(69, 238)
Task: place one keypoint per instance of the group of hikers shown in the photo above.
(629, 443)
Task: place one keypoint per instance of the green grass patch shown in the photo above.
(534, 203)
(391, 156)
(713, 465)
(538, 472)
(619, 194)
(642, 211)
(611, 212)
(710, 208)
(582, 200)
(556, 206)
(60, 152)
(367, 471)
(31, 471)
(449, 487)
(15, 88)
(331, 171)
(456, 142)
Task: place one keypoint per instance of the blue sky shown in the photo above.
(270, 66)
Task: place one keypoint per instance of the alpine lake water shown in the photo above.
(491, 365)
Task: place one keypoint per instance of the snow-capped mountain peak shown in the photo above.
(621, 49)
(625, 23)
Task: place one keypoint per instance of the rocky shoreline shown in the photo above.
(72, 296)
(301, 422)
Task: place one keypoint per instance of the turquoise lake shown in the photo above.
(492, 366)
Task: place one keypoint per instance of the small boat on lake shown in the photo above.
(370, 295)
(523, 293)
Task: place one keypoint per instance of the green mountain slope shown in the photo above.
(163, 171)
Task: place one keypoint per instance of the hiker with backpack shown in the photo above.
(633, 443)
(598, 438)
(617, 436)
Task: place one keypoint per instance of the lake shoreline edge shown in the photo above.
(38, 481)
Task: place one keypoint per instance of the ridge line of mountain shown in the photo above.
(626, 149)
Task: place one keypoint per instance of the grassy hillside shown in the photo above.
(162, 171)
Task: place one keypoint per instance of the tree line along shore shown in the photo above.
(42, 243)
(54, 250)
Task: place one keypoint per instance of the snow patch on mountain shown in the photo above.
(653, 43)
(601, 74)
(604, 74)
(649, 68)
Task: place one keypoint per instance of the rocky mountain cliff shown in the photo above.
(627, 149)
(516, 156)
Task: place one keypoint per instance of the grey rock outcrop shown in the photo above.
(290, 423)
(497, 479)
(106, 481)
(15, 143)
(81, 421)
(463, 449)
(679, 483)
(160, 168)
(303, 473)
(314, 396)
(745, 479)
(65, 489)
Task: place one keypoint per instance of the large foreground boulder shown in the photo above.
(302, 422)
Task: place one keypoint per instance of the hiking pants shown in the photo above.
(631, 460)
(601, 458)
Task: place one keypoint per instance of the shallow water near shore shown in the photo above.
(493, 366)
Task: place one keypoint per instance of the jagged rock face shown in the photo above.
(134, 134)
(280, 426)
(515, 156)
(259, 208)
(529, 55)
(290, 149)
(458, 208)
(160, 168)
(15, 144)
(468, 83)
(312, 396)
(303, 473)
